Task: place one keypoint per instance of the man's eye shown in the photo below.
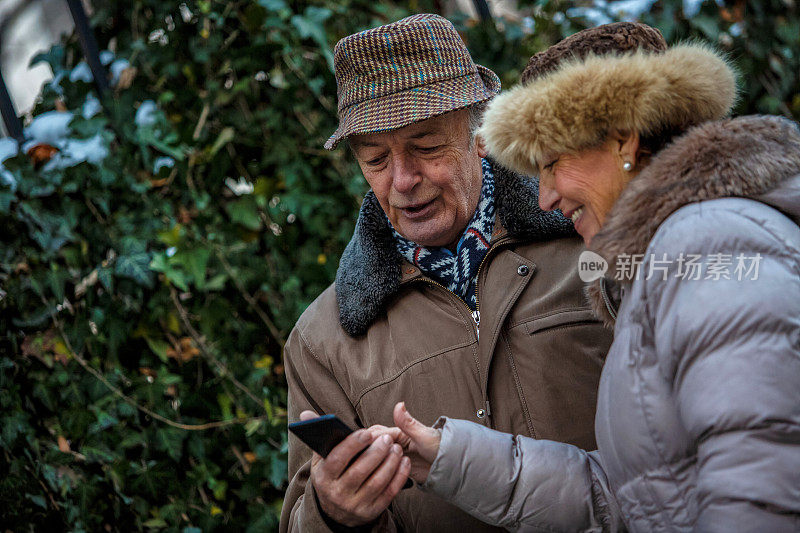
(428, 149)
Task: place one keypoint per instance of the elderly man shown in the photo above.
(456, 293)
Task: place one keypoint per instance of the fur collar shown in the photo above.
(369, 271)
(742, 157)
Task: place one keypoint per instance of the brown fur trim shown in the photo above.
(574, 107)
(615, 38)
(741, 157)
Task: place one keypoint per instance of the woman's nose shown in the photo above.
(548, 198)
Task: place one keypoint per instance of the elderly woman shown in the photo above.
(698, 417)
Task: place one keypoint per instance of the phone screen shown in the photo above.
(321, 434)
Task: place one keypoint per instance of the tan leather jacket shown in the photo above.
(532, 370)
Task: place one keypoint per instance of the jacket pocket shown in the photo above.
(566, 317)
(558, 357)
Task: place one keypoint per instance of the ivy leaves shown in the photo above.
(136, 266)
(164, 243)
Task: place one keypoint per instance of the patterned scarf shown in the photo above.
(458, 271)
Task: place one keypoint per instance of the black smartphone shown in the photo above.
(321, 434)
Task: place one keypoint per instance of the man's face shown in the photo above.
(427, 176)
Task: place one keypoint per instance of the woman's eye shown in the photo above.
(550, 165)
(375, 162)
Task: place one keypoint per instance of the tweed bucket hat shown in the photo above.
(408, 71)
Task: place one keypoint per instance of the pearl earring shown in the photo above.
(626, 166)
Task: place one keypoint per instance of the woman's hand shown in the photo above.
(420, 443)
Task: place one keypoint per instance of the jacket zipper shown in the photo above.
(607, 299)
(476, 314)
(476, 317)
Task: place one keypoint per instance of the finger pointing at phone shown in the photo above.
(355, 492)
(420, 442)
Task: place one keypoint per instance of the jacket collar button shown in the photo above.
(523, 270)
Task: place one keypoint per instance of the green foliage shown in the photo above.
(176, 279)
(151, 269)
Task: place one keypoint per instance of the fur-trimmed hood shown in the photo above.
(369, 270)
(756, 157)
(576, 105)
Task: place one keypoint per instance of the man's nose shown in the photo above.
(405, 173)
(548, 198)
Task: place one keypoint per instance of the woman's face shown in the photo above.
(584, 185)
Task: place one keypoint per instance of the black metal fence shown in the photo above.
(12, 123)
(90, 50)
(483, 9)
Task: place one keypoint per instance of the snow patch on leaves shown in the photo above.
(147, 114)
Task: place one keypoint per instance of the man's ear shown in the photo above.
(625, 145)
(480, 146)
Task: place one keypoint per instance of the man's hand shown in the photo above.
(420, 442)
(357, 494)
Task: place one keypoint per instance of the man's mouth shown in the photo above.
(418, 209)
